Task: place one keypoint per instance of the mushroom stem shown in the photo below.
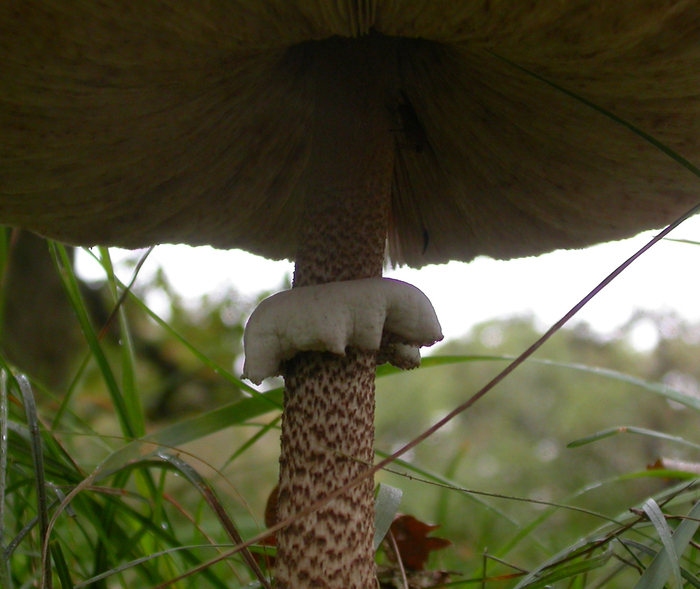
(328, 425)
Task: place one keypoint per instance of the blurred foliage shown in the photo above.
(513, 442)
(42, 338)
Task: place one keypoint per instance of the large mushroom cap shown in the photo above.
(177, 121)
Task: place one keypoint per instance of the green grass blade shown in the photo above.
(67, 396)
(657, 518)
(190, 430)
(659, 571)
(73, 290)
(614, 522)
(250, 442)
(386, 504)
(39, 474)
(567, 554)
(607, 433)
(601, 435)
(5, 576)
(199, 355)
(212, 500)
(123, 567)
(132, 399)
(687, 575)
(573, 569)
(687, 241)
(62, 569)
(432, 361)
(659, 473)
(161, 533)
(662, 390)
(441, 480)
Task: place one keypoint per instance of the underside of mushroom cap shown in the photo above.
(178, 122)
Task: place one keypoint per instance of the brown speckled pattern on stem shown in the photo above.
(329, 413)
(328, 424)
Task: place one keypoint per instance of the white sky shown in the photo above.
(666, 277)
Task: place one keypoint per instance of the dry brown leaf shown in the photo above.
(412, 539)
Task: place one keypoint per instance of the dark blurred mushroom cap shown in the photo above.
(185, 122)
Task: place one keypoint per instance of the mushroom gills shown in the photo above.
(380, 314)
(411, 127)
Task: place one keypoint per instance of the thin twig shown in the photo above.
(399, 560)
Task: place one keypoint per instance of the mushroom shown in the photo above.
(334, 316)
(320, 131)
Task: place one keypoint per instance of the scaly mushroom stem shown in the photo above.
(328, 425)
